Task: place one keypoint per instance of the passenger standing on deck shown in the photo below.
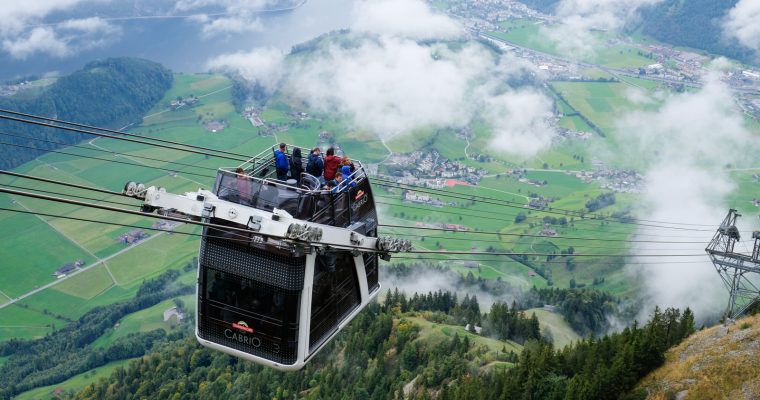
(331, 164)
(281, 163)
(315, 165)
(296, 165)
(347, 161)
(243, 186)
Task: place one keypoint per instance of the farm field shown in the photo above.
(75, 383)
(146, 320)
(125, 267)
(535, 35)
(431, 332)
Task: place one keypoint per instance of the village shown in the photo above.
(675, 68)
(429, 168)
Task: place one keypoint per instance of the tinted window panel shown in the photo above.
(335, 294)
(248, 315)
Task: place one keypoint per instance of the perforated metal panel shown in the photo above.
(250, 262)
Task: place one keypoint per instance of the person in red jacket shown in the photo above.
(331, 164)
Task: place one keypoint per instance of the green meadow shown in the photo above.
(75, 383)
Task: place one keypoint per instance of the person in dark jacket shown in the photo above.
(296, 165)
(315, 166)
(281, 163)
(331, 164)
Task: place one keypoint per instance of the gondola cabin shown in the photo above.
(283, 265)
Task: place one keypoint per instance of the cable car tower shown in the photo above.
(283, 266)
(740, 272)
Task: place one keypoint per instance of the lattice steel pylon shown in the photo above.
(740, 272)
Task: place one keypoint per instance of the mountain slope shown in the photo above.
(694, 23)
(715, 363)
(109, 93)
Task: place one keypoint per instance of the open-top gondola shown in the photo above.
(282, 267)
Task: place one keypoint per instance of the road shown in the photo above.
(79, 271)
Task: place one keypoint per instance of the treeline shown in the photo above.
(111, 93)
(68, 351)
(502, 322)
(587, 311)
(605, 368)
(601, 201)
(380, 353)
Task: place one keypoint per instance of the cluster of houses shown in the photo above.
(429, 164)
(10, 90)
(68, 268)
(165, 225)
(183, 101)
(414, 197)
(487, 14)
(539, 202)
(616, 180)
(132, 237)
(452, 227)
(252, 115)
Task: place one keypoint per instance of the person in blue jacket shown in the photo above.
(315, 166)
(281, 163)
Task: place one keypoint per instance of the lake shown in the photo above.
(180, 45)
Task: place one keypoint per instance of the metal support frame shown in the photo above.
(739, 272)
(277, 224)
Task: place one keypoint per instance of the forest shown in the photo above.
(110, 93)
(694, 23)
(68, 351)
(381, 352)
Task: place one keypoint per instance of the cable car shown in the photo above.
(283, 266)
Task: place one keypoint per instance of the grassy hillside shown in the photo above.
(558, 328)
(111, 93)
(716, 363)
(73, 384)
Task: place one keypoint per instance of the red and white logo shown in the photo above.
(243, 326)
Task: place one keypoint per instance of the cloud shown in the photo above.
(225, 17)
(15, 15)
(517, 122)
(390, 84)
(412, 19)
(423, 280)
(580, 17)
(232, 25)
(229, 6)
(38, 40)
(262, 65)
(21, 38)
(686, 145)
(89, 25)
(742, 23)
